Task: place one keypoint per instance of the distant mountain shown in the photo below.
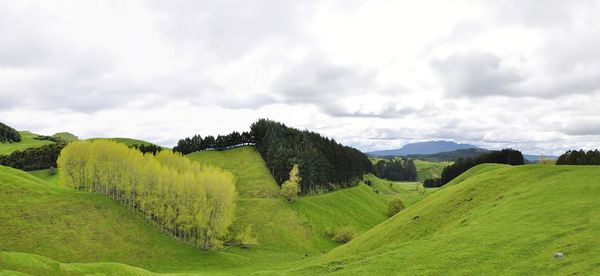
(429, 147)
(536, 158)
(449, 156)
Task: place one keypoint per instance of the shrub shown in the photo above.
(9, 134)
(291, 187)
(52, 170)
(33, 158)
(344, 234)
(395, 206)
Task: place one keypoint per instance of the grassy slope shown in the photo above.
(428, 169)
(409, 192)
(253, 177)
(66, 136)
(127, 141)
(70, 226)
(27, 141)
(500, 220)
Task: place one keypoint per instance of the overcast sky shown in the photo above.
(371, 74)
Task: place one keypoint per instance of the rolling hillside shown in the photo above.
(254, 179)
(27, 141)
(495, 219)
(127, 141)
(65, 225)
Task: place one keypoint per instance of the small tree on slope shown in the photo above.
(291, 187)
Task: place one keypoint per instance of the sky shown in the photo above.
(371, 74)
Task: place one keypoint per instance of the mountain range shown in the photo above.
(429, 147)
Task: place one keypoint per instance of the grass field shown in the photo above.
(27, 141)
(428, 169)
(253, 177)
(66, 136)
(76, 227)
(499, 220)
(408, 192)
(494, 219)
(127, 141)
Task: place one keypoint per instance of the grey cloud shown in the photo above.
(589, 127)
(476, 74)
(317, 81)
(232, 27)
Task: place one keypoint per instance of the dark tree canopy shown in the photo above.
(197, 143)
(154, 149)
(505, 156)
(396, 170)
(33, 158)
(579, 157)
(8, 134)
(324, 163)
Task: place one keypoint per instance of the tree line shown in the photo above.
(579, 157)
(396, 170)
(505, 156)
(324, 164)
(197, 143)
(154, 149)
(8, 134)
(192, 202)
(37, 158)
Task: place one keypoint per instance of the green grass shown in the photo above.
(126, 141)
(498, 220)
(15, 263)
(27, 141)
(66, 136)
(409, 192)
(82, 229)
(46, 176)
(428, 169)
(359, 207)
(253, 176)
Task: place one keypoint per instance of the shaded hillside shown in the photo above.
(26, 142)
(505, 220)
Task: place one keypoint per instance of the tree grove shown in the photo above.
(192, 202)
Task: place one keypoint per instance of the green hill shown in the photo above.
(27, 141)
(76, 227)
(429, 169)
(493, 219)
(127, 141)
(66, 136)
(254, 179)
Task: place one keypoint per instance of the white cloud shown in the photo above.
(373, 74)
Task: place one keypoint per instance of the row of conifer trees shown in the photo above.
(194, 203)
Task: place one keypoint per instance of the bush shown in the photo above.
(52, 170)
(9, 134)
(33, 158)
(344, 234)
(291, 187)
(395, 206)
(432, 183)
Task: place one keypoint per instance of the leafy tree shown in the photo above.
(8, 134)
(505, 156)
(395, 205)
(579, 157)
(192, 202)
(33, 158)
(344, 234)
(325, 163)
(396, 170)
(291, 188)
